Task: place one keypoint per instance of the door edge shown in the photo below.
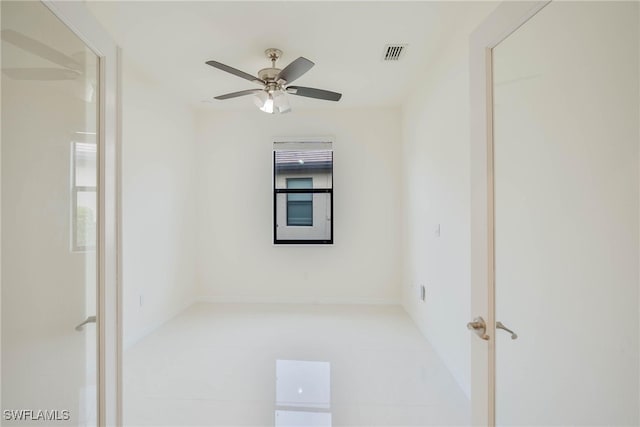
(502, 22)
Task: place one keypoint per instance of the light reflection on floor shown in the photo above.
(303, 393)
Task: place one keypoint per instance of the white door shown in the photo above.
(562, 199)
(53, 224)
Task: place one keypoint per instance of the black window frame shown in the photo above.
(277, 191)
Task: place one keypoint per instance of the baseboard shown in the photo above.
(144, 332)
(298, 300)
(128, 343)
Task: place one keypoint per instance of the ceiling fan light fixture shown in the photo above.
(268, 106)
(281, 102)
(272, 102)
(264, 101)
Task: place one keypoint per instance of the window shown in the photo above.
(303, 193)
(300, 206)
(84, 196)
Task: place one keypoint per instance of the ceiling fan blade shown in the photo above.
(237, 94)
(39, 49)
(235, 72)
(311, 92)
(44, 74)
(295, 69)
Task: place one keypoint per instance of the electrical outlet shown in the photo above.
(423, 293)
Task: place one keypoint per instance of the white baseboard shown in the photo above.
(144, 332)
(298, 300)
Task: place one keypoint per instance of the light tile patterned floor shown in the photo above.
(214, 365)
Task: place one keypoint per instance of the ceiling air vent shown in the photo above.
(393, 52)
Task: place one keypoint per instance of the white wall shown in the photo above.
(158, 204)
(435, 155)
(237, 258)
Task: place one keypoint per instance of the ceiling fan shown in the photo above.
(272, 98)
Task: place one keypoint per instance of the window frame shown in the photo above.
(277, 191)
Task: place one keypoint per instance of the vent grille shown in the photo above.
(393, 52)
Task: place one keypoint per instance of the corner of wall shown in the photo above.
(436, 240)
(159, 210)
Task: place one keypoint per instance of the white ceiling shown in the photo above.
(172, 41)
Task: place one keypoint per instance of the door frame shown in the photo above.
(83, 24)
(500, 24)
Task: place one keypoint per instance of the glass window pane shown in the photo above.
(293, 164)
(300, 183)
(300, 213)
(46, 108)
(86, 215)
(300, 197)
(300, 205)
(84, 161)
(290, 217)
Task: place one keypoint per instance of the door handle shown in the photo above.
(499, 325)
(90, 319)
(479, 327)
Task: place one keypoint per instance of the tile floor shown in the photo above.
(215, 365)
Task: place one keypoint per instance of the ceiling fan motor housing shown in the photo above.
(269, 74)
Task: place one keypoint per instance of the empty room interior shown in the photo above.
(304, 230)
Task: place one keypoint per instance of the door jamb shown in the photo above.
(501, 23)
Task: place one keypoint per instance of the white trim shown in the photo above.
(131, 341)
(303, 143)
(302, 139)
(241, 299)
(507, 18)
(119, 301)
(77, 17)
(1, 406)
